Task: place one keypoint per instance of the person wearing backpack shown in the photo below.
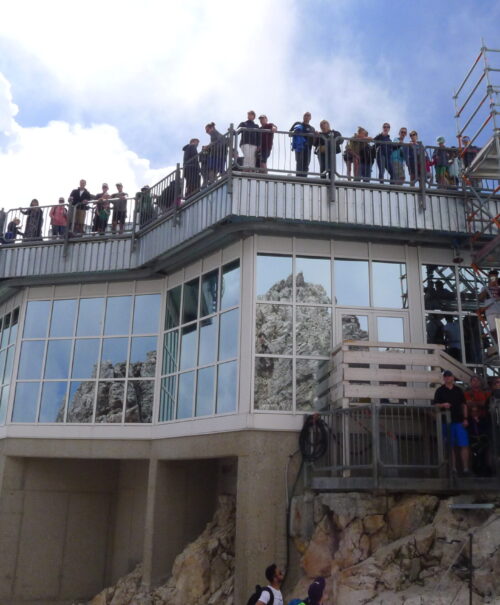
(271, 594)
(302, 142)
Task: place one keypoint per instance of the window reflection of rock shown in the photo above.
(273, 389)
(274, 329)
(139, 404)
(81, 401)
(110, 401)
(313, 330)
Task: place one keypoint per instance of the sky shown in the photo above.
(112, 90)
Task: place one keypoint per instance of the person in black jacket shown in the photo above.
(383, 152)
(249, 140)
(324, 144)
(79, 199)
(191, 167)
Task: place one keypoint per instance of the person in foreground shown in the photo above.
(271, 594)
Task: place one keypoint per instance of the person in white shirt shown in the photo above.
(275, 577)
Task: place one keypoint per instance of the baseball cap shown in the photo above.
(447, 373)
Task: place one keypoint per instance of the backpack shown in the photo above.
(299, 142)
(296, 602)
(256, 595)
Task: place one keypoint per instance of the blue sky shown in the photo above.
(113, 90)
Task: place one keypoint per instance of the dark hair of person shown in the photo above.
(210, 125)
(271, 572)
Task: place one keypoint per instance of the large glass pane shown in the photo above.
(313, 280)
(230, 288)
(173, 310)
(4, 401)
(118, 310)
(229, 332)
(190, 301)
(110, 396)
(185, 395)
(167, 398)
(114, 358)
(25, 402)
(90, 317)
(354, 327)
(139, 405)
(30, 361)
(434, 327)
(188, 347)
(227, 377)
(142, 356)
(53, 402)
(469, 287)
(208, 341)
(311, 385)
(81, 401)
(37, 319)
(7, 377)
(63, 318)
(452, 338)
(146, 314)
(273, 384)
(351, 283)
(273, 329)
(472, 339)
(390, 329)
(3, 358)
(58, 358)
(389, 285)
(440, 288)
(85, 358)
(6, 331)
(205, 391)
(274, 277)
(14, 326)
(313, 331)
(170, 352)
(209, 289)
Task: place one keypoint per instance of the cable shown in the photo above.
(313, 438)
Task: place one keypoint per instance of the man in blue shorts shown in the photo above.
(450, 397)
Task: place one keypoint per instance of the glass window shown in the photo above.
(118, 315)
(273, 329)
(274, 277)
(25, 402)
(310, 388)
(452, 340)
(209, 289)
(139, 405)
(6, 331)
(472, 339)
(85, 358)
(390, 329)
(208, 341)
(313, 330)
(185, 395)
(110, 396)
(170, 352)
(143, 356)
(227, 377)
(205, 391)
(36, 320)
(114, 358)
(190, 301)
(81, 401)
(434, 327)
(4, 401)
(167, 398)
(173, 311)
(188, 347)
(58, 358)
(354, 327)
(30, 361)
(470, 286)
(273, 384)
(313, 280)
(351, 283)
(146, 314)
(63, 318)
(229, 331)
(230, 288)
(389, 285)
(14, 326)
(90, 317)
(53, 402)
(8, 365)
(440, 288)
(3, 358)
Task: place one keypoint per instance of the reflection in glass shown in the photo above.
(36, 319)
(273, 384)
(311, 384)
(273, 329)
(389, 285)
(274, 277)
(227, 376)
(110, 395)
(58, 358)
(25, 402)
(114, 358)
(53, 402)
(85, 358)
(6, 331)
(167, 398)
(230, 288)
(90, 317)
(170, 351)
(390, 329)
(205, 391)
(354, 327)
(14, 326)
(209, 286)
(8, 365)
(81, 401)
(452, 340)
(143, 356)
(4, 400)
(434, 327)
(139, 404)
(190, 301)
(440, 288)
(472, 339)
(185, 395)
(3, 357)
(30, 361)
(313, 280)
(146, 314)
(208, 341)
(351, 283)
(229, 331)
(313, 330)
(469, 287)
(188, 347)
(173, 310)
(117, 315)
(63, 318)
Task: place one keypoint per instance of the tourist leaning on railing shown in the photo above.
(265, 142)
(302, 142)
(79, 199)
(215, 153)
(325, 147)
(249, 141)
(34, 221)
(119, 200)
(384, 152)
(12, 231)
(59, 219)
(191, 167)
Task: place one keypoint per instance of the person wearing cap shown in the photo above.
(59, 219)
(101, 210)
(490, 299)
(315, 592)
(265, 142)
(383, 152)
(249, 140)
(119, 200)
(450, 397)
(441, 159)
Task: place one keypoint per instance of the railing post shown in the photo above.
(375, 442)
(230, 159)
(332, 143)
(69, 227)
(423, 177)
(134, 223)
(178, 193)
